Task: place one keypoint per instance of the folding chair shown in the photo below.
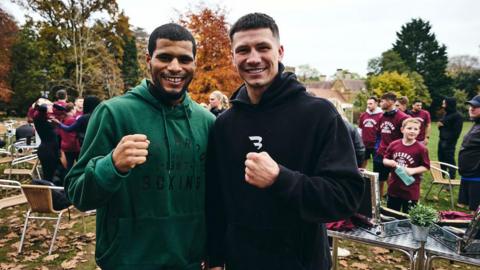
(39, 198)
(15, 170)
(438, 178)
(11, 200)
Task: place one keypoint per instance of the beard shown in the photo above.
(168, 96)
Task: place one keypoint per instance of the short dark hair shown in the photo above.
(403, 100)
(255, 21)
(417, 100)
(61, 94)
(390, 96)
(374, 98)
(171, 31)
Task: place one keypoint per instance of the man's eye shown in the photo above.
(164, 58)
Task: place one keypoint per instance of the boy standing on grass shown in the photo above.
(408, 158)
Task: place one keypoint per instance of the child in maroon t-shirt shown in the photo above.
(413, 157)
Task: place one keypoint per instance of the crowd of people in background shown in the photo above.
(398, 146)
(58, 143)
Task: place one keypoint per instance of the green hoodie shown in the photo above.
(153, 216)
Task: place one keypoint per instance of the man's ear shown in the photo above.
(280, 53)
(148, 60)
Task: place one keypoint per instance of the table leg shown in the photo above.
(420, 258)
(334, 253)
(428, 264)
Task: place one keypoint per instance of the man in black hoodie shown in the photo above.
(450, 127)
(469, 159)
(280, 164)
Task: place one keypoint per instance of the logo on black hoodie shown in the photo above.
(257, 141)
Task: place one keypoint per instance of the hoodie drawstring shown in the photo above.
(194, 144)
(168, 141)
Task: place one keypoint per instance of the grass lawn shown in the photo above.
(74, 247)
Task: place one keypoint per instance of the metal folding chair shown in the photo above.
(8, 199)
(438, 178)
(40, 200)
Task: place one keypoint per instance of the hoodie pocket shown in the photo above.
(173, 242)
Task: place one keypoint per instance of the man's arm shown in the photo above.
(215, 212)
(103, 164)
(335, 181)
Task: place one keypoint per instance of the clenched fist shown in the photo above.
(260, 169)
(130, 152)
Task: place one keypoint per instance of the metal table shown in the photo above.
(403, 243)
(435, 250)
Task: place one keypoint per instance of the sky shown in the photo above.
(330, 34)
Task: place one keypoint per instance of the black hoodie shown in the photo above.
(452, 122)
(279, 227)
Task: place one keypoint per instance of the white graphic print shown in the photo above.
(257, 141)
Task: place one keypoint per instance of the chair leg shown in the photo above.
(428, 192)
(24, 231)
(451, 195)
(440, 190)
(55, 233)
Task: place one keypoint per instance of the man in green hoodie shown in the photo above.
(142, 165)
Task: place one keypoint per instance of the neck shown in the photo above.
(407, 141)
(255, 94)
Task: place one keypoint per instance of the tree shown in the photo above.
(307, 73)
(462, 64)
(461, 97)
(465, 73)
(72, 21)
(400, 84)
(27, 77)
(130, 68)
(141, 40)
(214, 58)
(422, 53)
(8, 34)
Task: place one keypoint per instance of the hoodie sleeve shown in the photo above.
(215, 212)
(94, 179)
(335, 189)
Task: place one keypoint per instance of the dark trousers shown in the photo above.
(446, 153)
(71, 158)
(400, 204)
(49, 156)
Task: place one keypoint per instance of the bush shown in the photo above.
(422, 215)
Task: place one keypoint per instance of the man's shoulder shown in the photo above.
(201, 112)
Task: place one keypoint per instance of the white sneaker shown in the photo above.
(343, 252)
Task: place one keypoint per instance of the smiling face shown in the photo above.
(256, 54)
(172, 65)
(411, 130)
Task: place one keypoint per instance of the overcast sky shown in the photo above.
(331, 34)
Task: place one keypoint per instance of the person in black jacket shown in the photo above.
(280, 164)
(450, 127)
(469, 160)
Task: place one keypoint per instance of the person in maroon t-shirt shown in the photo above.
(424, 117)
(389, 130)
(367, 123)
(413, 157)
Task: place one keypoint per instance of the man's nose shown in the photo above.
(253, 57)
(174, 65)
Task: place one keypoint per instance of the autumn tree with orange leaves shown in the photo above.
(8, 33)
(214, 58)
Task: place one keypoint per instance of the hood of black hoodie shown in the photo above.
(451, 103)
(284, 86)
